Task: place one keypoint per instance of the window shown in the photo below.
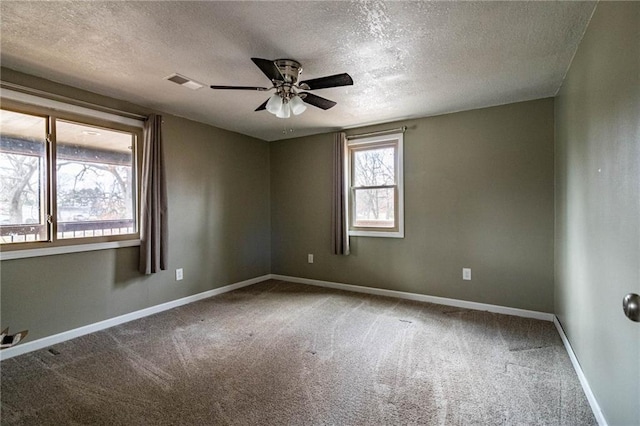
(375, 181)
(65, 178)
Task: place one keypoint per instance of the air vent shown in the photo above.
(184, 81)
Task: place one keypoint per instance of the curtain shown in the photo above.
(339, 226)
(153, 207)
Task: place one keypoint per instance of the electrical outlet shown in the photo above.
(310, 258)
(179, 274)
(466, 274)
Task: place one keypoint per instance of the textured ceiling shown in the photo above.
(407, 59)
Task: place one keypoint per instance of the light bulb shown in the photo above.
(297, 105)
(274, 104)
(285, 111)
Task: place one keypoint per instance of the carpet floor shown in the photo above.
(283, 353)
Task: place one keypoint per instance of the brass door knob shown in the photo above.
(631, 306)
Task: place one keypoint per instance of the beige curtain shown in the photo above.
(339, 223)
(153, 213)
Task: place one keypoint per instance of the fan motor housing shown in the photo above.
(289, 69)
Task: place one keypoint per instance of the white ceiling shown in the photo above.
(407, 59)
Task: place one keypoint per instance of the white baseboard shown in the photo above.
(91, 328)
(77, 332)
(26, 347)
(595, 407)
(421, 298)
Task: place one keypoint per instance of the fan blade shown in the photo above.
(263, 106)
(269, 68)
(259, 89)
(329, 81)
(317, 101)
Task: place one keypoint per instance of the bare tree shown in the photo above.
(375, 168)
(90, 187)
(18, 184)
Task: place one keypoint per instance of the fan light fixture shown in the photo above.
(297, 105)
(282, 106)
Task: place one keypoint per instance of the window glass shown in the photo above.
(374, 208)
(22, 177)
(65, 177)
(95, 185)
(374, 167)
(375, 196)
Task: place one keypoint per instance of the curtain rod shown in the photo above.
(76, 102)
(380, 132)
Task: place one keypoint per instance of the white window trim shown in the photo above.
(26, 98)
(78, 248)
(7, 253)
(399, 137)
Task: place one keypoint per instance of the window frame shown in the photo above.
(395, 140)
(92, 119)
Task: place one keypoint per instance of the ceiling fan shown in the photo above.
(290, 96)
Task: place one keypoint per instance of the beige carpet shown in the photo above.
(282, 353)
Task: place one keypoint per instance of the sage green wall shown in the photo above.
(598, 207)
(478, 194)
(218, 189)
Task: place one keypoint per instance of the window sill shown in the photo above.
(49, 251)
(376, 234)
